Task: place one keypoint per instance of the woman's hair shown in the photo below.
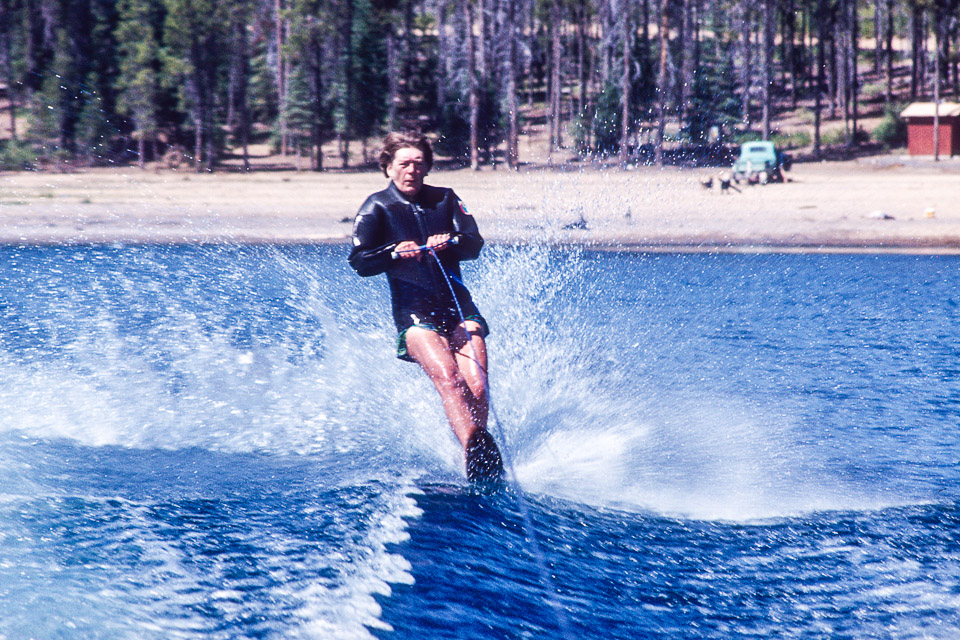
(397, 140)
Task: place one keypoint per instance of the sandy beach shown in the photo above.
(885, 203)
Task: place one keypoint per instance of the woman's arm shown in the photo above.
(467, 241)
(369, 255)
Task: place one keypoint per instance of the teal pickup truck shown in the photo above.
(760, 162)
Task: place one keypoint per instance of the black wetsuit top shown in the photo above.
(418, 289)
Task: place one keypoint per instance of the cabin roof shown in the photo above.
(926, 110)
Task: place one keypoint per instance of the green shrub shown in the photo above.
(892, 130)
(607, 121)
(792, 140)
(16, 155)
(805, 116)
(742, 137)
(833, 137)
(839, 137)
(873, 91)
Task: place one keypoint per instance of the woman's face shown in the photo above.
(407, 171)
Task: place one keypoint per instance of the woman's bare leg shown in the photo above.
(471, 358)
(484, 463)
(432, 352)
(458, 371)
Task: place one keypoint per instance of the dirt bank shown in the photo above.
(880, 203)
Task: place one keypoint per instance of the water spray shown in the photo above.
(529, 528)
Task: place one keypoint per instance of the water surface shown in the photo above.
(217, 442)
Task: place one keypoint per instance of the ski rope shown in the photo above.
(531, 532)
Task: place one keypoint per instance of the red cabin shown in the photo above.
(919, 118)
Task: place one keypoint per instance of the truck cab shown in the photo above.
(760, 162)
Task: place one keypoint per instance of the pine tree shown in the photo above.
(139, 58)
(297, 114)
(194, 57)
(312, 43)
(94, 132)
(238, 107)
(607, 121)
(52, 122)
(370, 71)
(11, 55)
(453, 119)
(715, 101)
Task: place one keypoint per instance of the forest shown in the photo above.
(106, 82)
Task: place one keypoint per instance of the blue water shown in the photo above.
(217, 442)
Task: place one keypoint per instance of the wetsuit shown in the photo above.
(418, 290)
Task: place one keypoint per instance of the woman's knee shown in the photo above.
(477, 386)
(448, 379)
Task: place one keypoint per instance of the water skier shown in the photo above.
(417, 234)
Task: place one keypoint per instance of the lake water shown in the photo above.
(217, 442)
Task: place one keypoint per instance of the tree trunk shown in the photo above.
(936, 89)
(767, 40)
(832, 80)
(877, 30)
(555, 85)
(589, 95)
(347, 83)
(474, 88)
(943, 27)
(645, 28)
(13, 112)
(889, 60)
(842, 62)
(531, 76)
(482, 75)
(393, 77)
(810, 52)
(239, 79)
(790, 51)
(513, 132)
(33, 75)
(7, 57)
(445, 50)
(955, 66)
(819, 77)
(198, 141)
(208, 119)
(745, 32)
(662, 82)
(481, 16)
(581, 61)
(281, 70)
(407, 41)
(319, 108)
(924, 55)
(605, 21)
(915, 37)
(687, 61)
(625, 82)
(854, 75)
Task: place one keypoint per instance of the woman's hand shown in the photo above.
(439, 241)
(408, 249)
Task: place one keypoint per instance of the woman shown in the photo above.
(417, 234)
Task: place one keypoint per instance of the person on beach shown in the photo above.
(417, 234)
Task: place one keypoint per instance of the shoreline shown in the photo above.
(905, 248)
(874, 205)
